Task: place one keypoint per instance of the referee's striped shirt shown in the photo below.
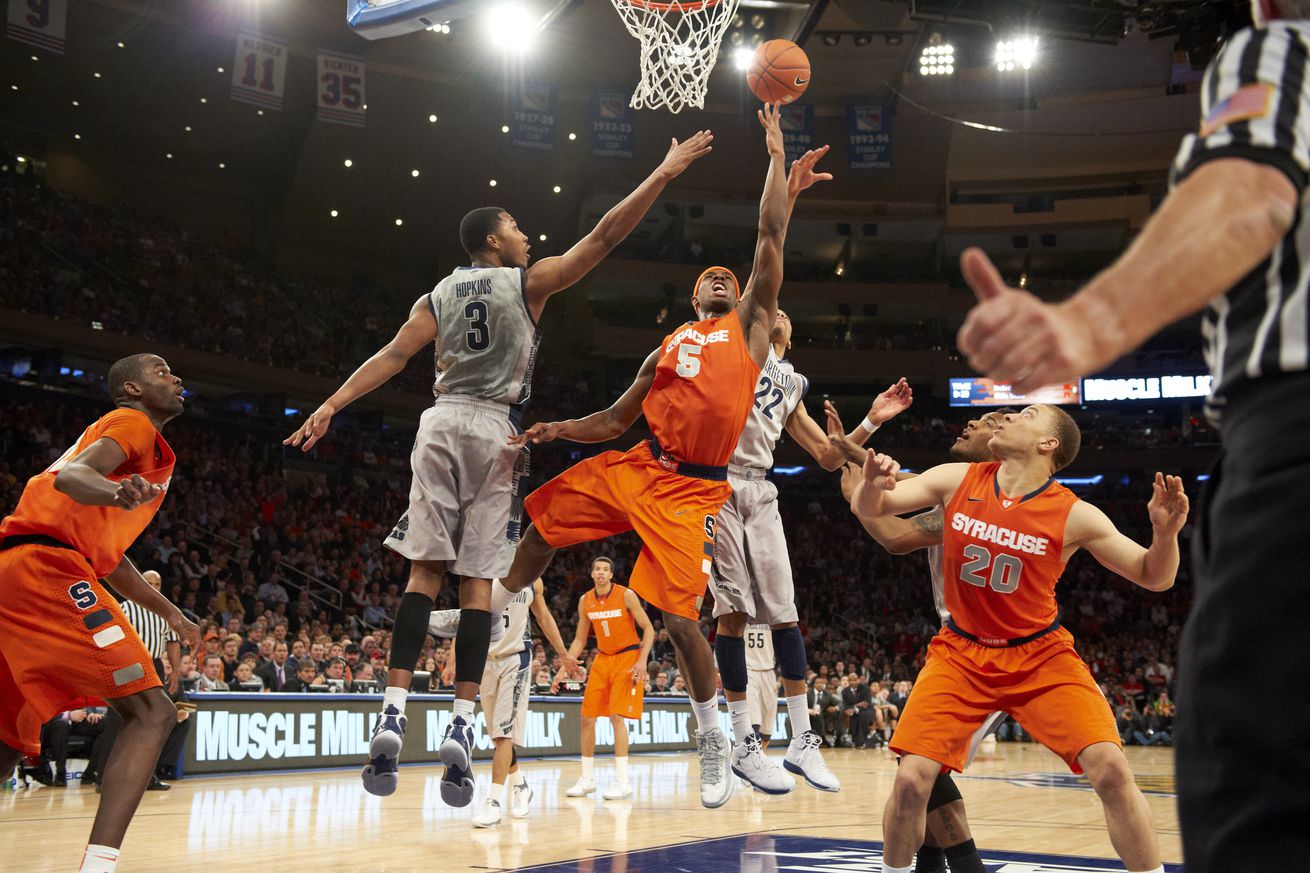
(1256, 105)
(152, 629)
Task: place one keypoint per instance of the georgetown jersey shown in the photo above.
(515, 618)
(759, 647)
(778, 392)
(486, 338)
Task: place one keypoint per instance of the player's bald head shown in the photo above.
(131, 369)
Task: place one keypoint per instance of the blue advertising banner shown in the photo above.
(534, 117)
(870, 136)
(797, 130)
(611, 126)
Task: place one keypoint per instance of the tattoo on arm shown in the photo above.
(930, 521)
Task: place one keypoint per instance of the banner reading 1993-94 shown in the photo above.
(797, 130)
(870, 136)
(259, 70)
(534, 117)
(341, 94)
(611, 126)
(38, 23)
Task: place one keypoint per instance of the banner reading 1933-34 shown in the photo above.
(341, 95)
(38, 23)
(259, 70)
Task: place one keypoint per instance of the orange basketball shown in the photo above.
(780, 72)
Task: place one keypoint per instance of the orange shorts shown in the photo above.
(1044, 685)
(610, 689)
(62, 637)
(617, 492)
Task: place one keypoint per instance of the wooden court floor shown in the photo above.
(1019, 798)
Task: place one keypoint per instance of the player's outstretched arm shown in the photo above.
(647, 631)
(85, 479)
(1152, 568)
(898, 536)
(128, 581)
(546, 621)
(417, 331)
(551, 275)
(599, 426)
(877, 492)
(760, 300)
(886, 406)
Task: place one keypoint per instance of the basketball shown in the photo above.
(780, 72)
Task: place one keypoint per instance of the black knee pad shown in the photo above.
(471, 643)
(789, 652)
(731, 655)
(513, 756)
(410, 630)
(944, 791)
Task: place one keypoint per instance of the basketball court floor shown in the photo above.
(1029, 815)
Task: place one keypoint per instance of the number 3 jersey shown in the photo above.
(778, 392)
(486, 338)
(1002, 555)
(703, 389)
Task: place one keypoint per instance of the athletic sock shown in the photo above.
(99, 859)
(739, 710)
(888, 868)
(930, 858)
(621, 769)
(587, 765)
(707, 713)
(1159, 869)
(964, 858)
(464, 709)
(798, 714)
(498, 792)
(395, 696)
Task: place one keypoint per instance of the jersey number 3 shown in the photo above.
(479, 332)
(1004, 577)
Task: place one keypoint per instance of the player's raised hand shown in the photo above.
(134, 491)
(541, 432)
(681, 154)
(1015, 338)
(770, 117)
(892, 402)
(1169, 505)
(802, 175)
(308, 434)
(880, 470)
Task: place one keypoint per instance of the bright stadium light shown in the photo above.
(742, 58)
(1017, 53)
(937, 58)
(512, 27)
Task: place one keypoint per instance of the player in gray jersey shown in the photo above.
(506, 681)
(948, 834)
(752, 571)
(483, 319)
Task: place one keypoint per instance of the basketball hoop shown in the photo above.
(679, 45)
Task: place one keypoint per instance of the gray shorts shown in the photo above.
(762, 697)
(752, 571)
(464, 506)
(504, 693)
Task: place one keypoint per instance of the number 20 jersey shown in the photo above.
(778, 392)
(486, 338)
(1002, 555)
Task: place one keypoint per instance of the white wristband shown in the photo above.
(869, 426)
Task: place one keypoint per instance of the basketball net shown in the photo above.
(679, 45)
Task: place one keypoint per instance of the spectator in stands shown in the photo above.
(211, 678)
(857, 706)
(825, 709)
(245, 678)
(661, 685)
(278, 671)
(56, 734)
(304, 678)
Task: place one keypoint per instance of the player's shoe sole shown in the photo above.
(457, 781)
(381, 774)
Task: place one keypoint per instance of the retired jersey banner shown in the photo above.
(797, 130)
(259, 71)
(870, 136)
(534, 117)
(39, 23)
(612, 126)
(340, 88)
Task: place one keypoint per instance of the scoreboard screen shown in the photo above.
(985, 392)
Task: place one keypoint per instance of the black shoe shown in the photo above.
(156, 785)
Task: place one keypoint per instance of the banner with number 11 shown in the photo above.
(259, 70)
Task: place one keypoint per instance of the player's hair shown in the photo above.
(606, 558)
(1294, 8)
(124, 370)
(1004, 410)
(1065, 429)
(476, 226)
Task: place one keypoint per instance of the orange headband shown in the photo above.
(735, 284)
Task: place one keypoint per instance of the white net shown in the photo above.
(679, 46)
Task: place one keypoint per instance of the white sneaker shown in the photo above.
(444, 625)
(716, 783)
(519, 800)
(581, 788)
(618, 791)
(750, 763)
(804, 760)
(490, 815)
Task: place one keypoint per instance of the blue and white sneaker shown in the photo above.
(381, 773)
(456, 753)
(803, 759)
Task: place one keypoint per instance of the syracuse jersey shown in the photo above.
(1002, 556)
(611, 622)
(703, 390)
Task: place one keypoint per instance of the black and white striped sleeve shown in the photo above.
(1256, 104)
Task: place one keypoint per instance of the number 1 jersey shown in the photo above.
(486, 338)
(1002, 556)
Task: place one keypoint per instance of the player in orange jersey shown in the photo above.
(62, 636)
(696, 390)
(1009, 530)
(616, 683)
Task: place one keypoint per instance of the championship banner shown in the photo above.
(797, 130)
(534, 117)
(249, 732)
(39, 23)
(341, 94)
(611, 126)
(870, 136)
(259, 70)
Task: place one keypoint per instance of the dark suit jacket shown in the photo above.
(294, 685)
(268, 672)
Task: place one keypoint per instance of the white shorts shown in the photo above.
(752, 571)
(762, 695)
(504, 691)
(990, 726)
(464, 505)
